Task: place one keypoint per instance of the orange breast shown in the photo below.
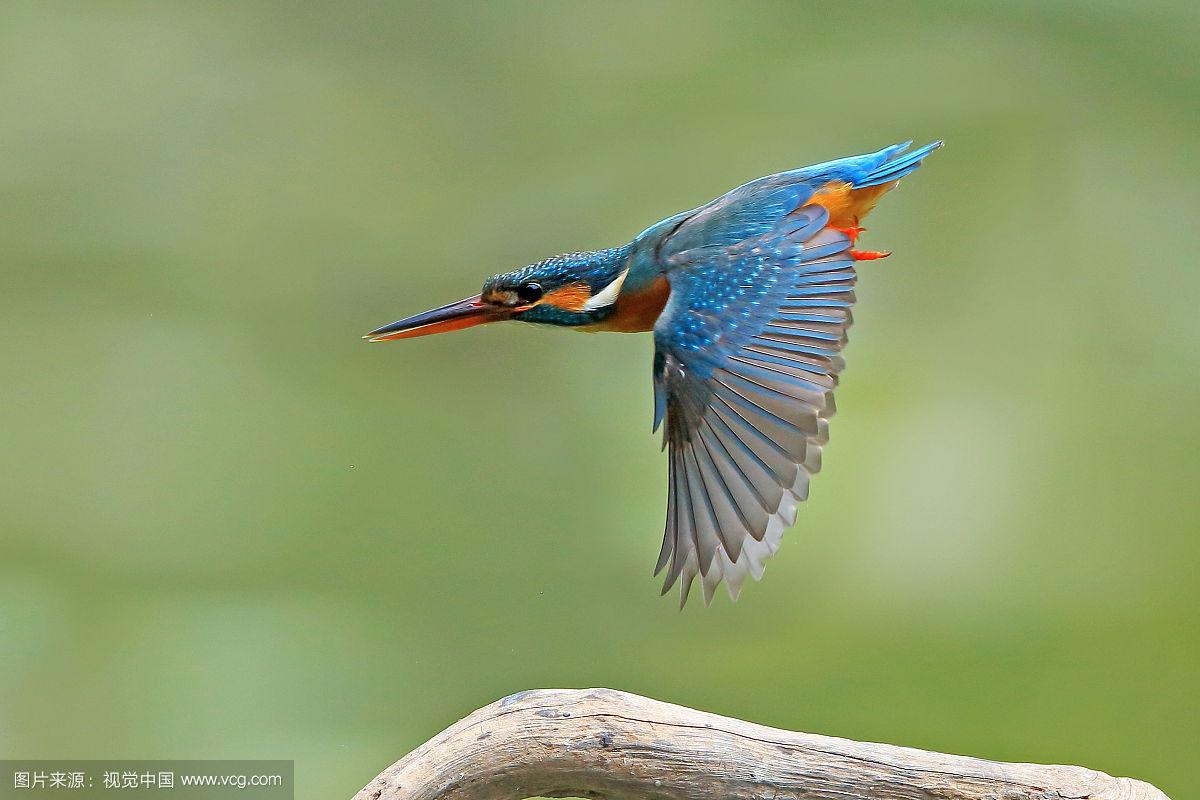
(847, 205)
(636, 312)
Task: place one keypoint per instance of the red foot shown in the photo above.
(852, 231)
(869, 255)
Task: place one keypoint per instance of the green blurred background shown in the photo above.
(233, 529)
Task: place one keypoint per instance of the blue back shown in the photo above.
(754, 208)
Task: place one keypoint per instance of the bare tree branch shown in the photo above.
(607, 744)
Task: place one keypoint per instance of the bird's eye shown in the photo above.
(530, 292)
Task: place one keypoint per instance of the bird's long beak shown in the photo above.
(452, 317)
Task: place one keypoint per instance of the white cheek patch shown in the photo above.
(608, 295)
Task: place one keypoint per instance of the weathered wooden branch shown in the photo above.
(608, 744)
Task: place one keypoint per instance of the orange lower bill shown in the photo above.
(452, 317)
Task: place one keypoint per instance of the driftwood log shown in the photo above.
(607, 744)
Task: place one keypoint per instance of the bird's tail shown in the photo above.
(895, 165)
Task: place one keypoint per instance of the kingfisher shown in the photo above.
(748, 298)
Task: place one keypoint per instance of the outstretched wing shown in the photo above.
(747, 353)
(746, 360)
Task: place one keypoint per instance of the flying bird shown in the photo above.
(749, 299)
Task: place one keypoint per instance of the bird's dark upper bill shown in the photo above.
(451, 317)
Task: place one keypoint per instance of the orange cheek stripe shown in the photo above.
(571, 297)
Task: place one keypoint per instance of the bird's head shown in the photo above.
(568, 290)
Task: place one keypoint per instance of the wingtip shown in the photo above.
(685, 590)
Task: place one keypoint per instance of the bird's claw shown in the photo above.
(869, 255)
(852, 231)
